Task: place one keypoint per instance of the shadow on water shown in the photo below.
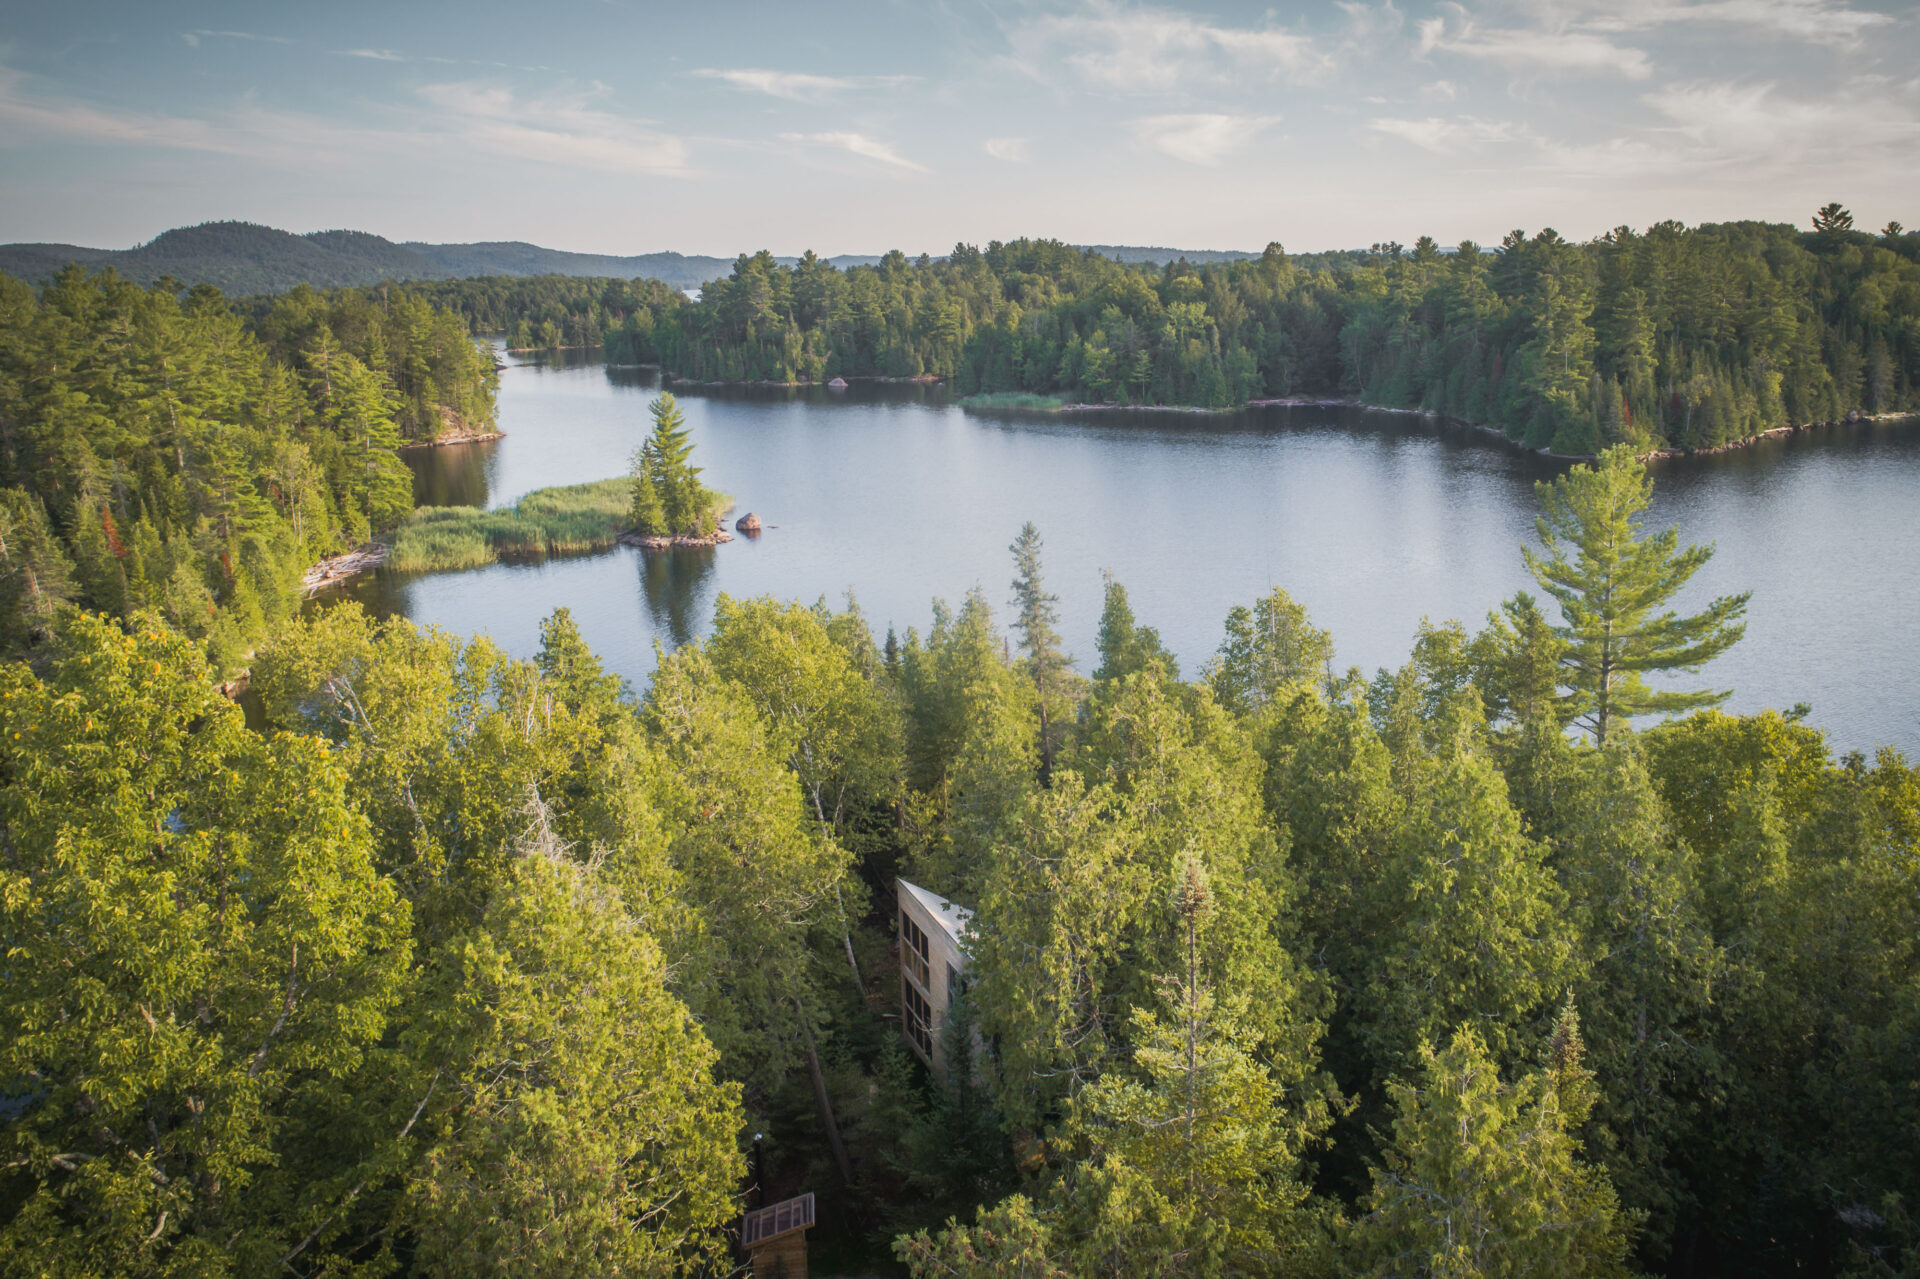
(456, 475)
(671, 583)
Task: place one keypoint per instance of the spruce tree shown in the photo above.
(1610, 580)
(1046, 664)
(1485, 1178)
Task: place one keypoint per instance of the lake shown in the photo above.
(1372, 520)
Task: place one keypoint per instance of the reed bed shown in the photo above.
(571, 520)
(1024, 401)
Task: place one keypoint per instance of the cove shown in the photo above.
(1372, 520)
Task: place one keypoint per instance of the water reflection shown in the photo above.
(673, 583)
(455, 475)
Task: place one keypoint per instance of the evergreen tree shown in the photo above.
(1034, 620)
(1609, 580)
(1267, 646)
(668, 498)
(1189, 1166)
(1485, 1179)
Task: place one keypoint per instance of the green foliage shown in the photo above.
(1267, 647)
(1484, 1178)
(164, 455)
(200, 956)
(1689, 337)
(1188, 1164)
(583, 1094)
(1609, 581)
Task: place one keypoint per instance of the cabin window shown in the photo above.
(919, 1019)
(915, 954)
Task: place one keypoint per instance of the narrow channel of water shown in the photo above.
(1374, 521)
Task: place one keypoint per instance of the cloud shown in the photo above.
(1199, 138)
(857, 144)
(1136, 49)
(1753, 125)
(1563, 51)
(193, 38)
(795, 86)
(1012, 150)
(1814, 21)
(1440, 91)
(1447, 137)
(377, 55)
(561, 129)
(30, 117)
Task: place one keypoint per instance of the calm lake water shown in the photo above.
(1373, 521)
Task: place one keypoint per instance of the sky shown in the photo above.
(708, 126)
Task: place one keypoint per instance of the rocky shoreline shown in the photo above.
(631, 538)
(455, 429)
(336, 569)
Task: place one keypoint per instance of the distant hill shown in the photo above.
(516, 257)
(1160, 257)
(241, 258)
(237, 258)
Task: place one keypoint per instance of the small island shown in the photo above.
(671, 507)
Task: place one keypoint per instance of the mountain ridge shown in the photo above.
(246, 257)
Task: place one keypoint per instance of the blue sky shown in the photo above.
(856, 127)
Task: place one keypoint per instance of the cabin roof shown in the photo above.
(950, 917)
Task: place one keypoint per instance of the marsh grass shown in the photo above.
(1026, 401)
(572, 520)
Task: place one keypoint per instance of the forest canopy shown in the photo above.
(178, 455)
(472, 966)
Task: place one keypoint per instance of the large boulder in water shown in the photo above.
(748, 523)
(838, 384)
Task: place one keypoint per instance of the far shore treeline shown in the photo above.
(1688, 337)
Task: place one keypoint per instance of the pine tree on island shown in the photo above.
(668, 498)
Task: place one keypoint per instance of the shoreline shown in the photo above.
(336, 570)
(631, 538)
(918, 379)
(445, 441)
(1492, 433)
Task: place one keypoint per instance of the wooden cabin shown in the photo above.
(933, 959)
(776, 1238)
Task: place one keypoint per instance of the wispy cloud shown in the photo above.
(1447, 137)
(1199, 138)
(1133, 49)
(1561, 51)
(376, 55)
(1816, 21)
(563, 129)
(1749, 125)
(193, 38)
(856, 144)
(794, 86)
(1012, 150)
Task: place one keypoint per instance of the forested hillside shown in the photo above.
(483, 967)
(1690, 337)
(160, 454)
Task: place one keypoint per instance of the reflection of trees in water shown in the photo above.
(455, 475)
(671, 581)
